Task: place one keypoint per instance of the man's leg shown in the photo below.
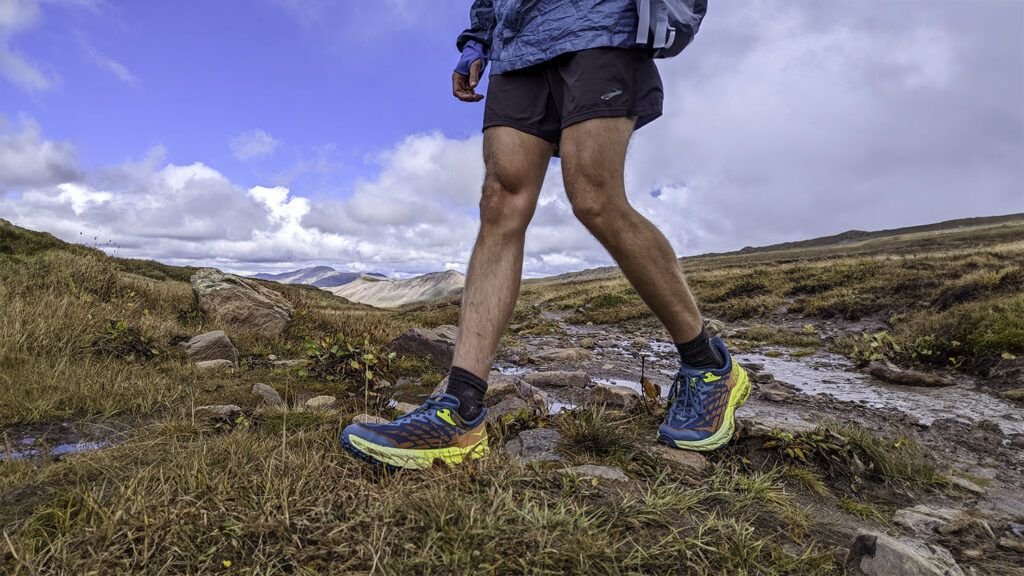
(516, 163)
(442, 428)
(593, 156)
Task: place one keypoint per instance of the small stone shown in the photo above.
(622, 397)
(448, 332)
(405, 407)
(590, 323)
(321, 403)
(225, 411)
(510, 405)
(211, 346)
(271, 358)
(588, 343)
(501, 386)
(564, 355)
(269, 395)
(557, 379)
(535, 445)
(368, 419)
(973, 554)
(761, 377)
(211, 365)
(692, 460)
(289, 363)
(641, 343)
(713, 327)
(599, 472)
(774, 392)
(607, 367)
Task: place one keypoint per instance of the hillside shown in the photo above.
(319, 276)
(393, 293)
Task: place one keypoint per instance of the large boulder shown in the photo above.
(241, 304)
(877, 554)
(438, 347)
(211, 346)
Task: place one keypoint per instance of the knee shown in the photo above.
(598, 212)
(504, 209)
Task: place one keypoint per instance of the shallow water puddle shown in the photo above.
(58, 450)
(825, 373)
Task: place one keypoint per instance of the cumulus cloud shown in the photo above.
(26, 160)
(253, 144)
(785, 120)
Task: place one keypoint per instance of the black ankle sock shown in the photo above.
(699, 353)
(470, 391)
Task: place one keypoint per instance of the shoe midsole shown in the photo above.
(417, 459)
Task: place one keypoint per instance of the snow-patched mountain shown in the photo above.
(385, 293)
(320, 276)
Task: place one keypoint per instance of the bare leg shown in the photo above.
(593, 156)
(516, 163)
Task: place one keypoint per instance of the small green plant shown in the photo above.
(821, 445)
(123, 341)
(337, 357)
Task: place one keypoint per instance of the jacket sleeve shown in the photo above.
(481, 24)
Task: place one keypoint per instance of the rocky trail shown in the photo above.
(974, 434)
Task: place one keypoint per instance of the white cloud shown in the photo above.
(120, 71)
(253, 144)
(26, 160)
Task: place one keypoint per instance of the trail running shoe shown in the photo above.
(700, 417)
(432, 431)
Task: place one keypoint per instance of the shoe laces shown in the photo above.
(434, 402)
(690, 402)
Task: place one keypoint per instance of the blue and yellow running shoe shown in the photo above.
(434, 431)
(700, 417)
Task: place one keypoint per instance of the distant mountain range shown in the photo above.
(319, 276)
(385, 293)
(374, 288)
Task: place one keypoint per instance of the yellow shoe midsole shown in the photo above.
(418, 459)
(737, 397)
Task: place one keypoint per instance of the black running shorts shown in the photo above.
(544, 99)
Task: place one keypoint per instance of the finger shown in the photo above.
(474, 72)
(459, 87)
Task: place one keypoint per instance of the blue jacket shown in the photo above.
(522, 33)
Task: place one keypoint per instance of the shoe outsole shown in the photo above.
(725, 434)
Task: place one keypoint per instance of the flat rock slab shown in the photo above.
(535, 445)
(877, 554)
(557, 379)
(593, 471)
(924, 519)
(564, 355)
(225, 411)
(211, 346)
(892, 374)
(240, 303)
(622, 397)
(405, 407)
(692, 460)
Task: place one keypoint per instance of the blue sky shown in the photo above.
(274, 134)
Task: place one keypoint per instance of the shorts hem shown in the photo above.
(523, 127)
(643, 117)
